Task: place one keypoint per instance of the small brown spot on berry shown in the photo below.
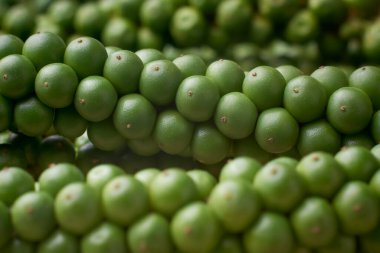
(82, 101)
(143, 247)
(129, 125)
(227, 196)
(321, 67)
(188, 230)
(68, 196)
(270, 140)
(316, 230)
(46, 84)
(165, 173)
(118, 57)
(156, 68)
(80, 41)
(343, 108)
(190, 93)
(223, 119)
(29, 210)
(296, 90)
(254, 74)
(274, 171)
(357, 208)
(116, 185)
(363, 68)
(5, 77)
(315, 157)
